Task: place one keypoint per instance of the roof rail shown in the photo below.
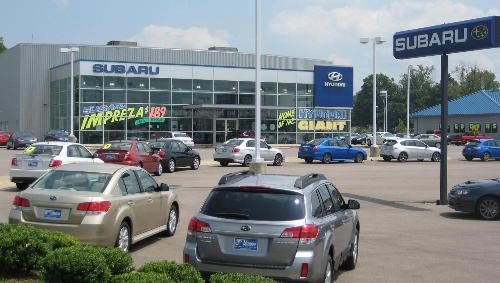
(233, 177)
(306, 180)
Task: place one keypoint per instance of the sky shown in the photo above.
(318, 29)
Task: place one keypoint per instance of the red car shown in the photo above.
(132, 153)
(4, 137)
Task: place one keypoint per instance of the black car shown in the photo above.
(21, 139)
(481, 197)
(174, 153)
(56, 135)
(358, 139)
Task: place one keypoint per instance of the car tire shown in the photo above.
(369, 143)
(386, 158)
(8, 146)
(172, 221)
(469, 158)
(309, 160)
(358, 158)
(486, 156)
(488, 208)
(329, 273)
(22, 186)
(247, 160)
(327, 158)
(352, 260)
(278, 160)
(436, 157)
(223, 163)
(195, 164)
(170, 165)
(123, 237)
(403, 157)
(438, 145)
(159, 170)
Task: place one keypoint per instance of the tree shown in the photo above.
(2, 47)
(471, 79)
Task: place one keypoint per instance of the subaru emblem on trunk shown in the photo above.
(245, 228)
(52, 198)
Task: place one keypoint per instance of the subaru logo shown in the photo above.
(245, 228)
(53, 198)
(335, 76)
(479, 32)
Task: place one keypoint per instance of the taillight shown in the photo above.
(127, 156)
(304, 270)
(21, 202)
(55, 163)
(316, 148)
(236, 149)
(196, 225)
(186, 258)
(96, 206)
(307, 233)
(13, 162)
(162, 153)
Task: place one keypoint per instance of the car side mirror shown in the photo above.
(269, 147)
(353, 204)
(164, 187)
(94, 155)
(349, 146)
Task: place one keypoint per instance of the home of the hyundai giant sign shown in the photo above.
(124, 92)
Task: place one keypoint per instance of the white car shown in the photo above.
(405, 149)
(41, 157)
(381, 137)
(243, 151)
(179, 136)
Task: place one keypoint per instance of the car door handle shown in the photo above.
(131, 202)
(150, 200)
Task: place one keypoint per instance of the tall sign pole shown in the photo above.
(443, 165)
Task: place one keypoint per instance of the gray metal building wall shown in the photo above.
(25, 82)
(423, 124)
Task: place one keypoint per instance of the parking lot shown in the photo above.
(405, 237)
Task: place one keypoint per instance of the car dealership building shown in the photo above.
(125, 91)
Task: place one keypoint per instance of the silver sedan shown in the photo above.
(406, 149)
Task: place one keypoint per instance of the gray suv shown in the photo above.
(285, 227)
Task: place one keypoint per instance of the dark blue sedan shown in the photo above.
(485, 149)
(330, 149)
(477, 196)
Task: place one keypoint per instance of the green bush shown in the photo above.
(57, 240)
(78, 264)
(177, 272)
(238, 278)
(142, 277)
(118, 261)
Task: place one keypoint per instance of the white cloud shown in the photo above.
(191, 38)
(339, 60)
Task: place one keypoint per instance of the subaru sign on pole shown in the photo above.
(441, 40)
(333, 86)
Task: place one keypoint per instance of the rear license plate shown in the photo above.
(241, 244)
(52, 213)
(110, 156)
(223, 150)
(32, 163)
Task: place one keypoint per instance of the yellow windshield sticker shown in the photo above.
(106, 146)
(29, 150)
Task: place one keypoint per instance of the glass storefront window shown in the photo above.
(286, 88)
(270, 138)
(160, 124)
(91, 82)
(182, 84)
(203, 137)
(269, 100)
(91, 95)
(286, 100)
(287, 126)
(247, 113)
(137, 124)
(182, 125)
(91, 137)
(269, 114)
(247, 124)
(110, 135)
(225, 86)
(137, 96)
(247, 87)
(114, 82)
(304, 89)
(89, 108)
(161, 84)
(304, 137)
(247, 99)
(226, 98)
(160, 97)
(202, 124)
(182, 98)
(136, 135)
(203, 98)
(269, 125)
(203, 113)
(116, 124)
(138, 83)
(179, 111)
(229, 113)
(203, 85)
(286, 138)
(114, 96)
(268, 88)
(305, 101)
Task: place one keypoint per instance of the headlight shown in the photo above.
(463, 192)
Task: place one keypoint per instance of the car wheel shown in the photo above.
(329, 270)
(436, 157)
(223, 163)
(327, 158)
(309, 160)
(22, 186)
(278, 159)
(403, 157)
(159, 170)
(358, 158)
(488, 208)
(486, 156)
(170, 165)
(438, 145)
(8, 146)
(469, 158)
(196, 163)
(173, 220)
(351, 261)
(369, 143)
(387, 158)
(123, 238)
(247, 160)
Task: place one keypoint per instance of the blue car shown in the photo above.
(330, 149)
(485, 149)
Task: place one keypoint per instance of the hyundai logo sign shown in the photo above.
(335, 76)
(245, 228)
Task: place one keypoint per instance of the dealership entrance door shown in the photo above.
(225, 129)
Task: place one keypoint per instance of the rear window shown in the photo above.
(390, 142)
(25, 134)
(254, 205)
(73, 181)
(44, 149)
(181, 135)
(234, 142)
(473, 143)
(160, 145)
(316, 142)
(118, 145)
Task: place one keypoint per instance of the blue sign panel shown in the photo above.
(333, 86)
(448, 38)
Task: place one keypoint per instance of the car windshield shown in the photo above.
(390, 142)
(73, 181)
(25, 134)
(235, 142)
(316, 142)
(254, 205)
(44, 149)
(118, 145)
(473, 143)
(160, 145)
(181, 135)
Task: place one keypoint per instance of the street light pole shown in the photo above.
(384, 93)
(71, 50)
(408, 103)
